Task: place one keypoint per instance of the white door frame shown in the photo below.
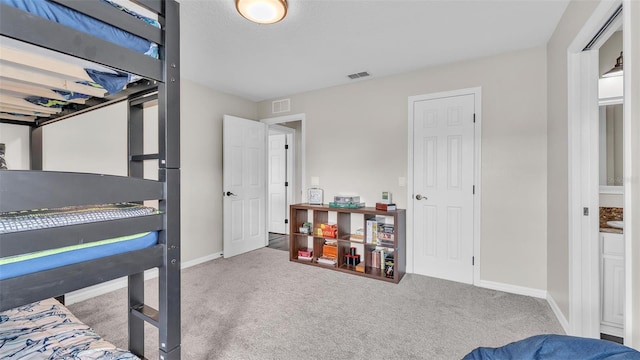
(584, 292)
(477, 92)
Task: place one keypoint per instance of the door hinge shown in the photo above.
(474, 118)
(474, 190)
(473, 261)
(286, 146)
(286, 183)
(585, 211)
(286, 221)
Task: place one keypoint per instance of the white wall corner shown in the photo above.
(513, 289)
(117, 284)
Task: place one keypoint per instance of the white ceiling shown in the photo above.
(320, 42)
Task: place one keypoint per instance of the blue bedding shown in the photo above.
(556, 347)
(78, 21)
(35, 263)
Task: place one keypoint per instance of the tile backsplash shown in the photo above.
(610, 214)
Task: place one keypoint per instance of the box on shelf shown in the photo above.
(334, 204)
(305, 252)
(385, 207)
(330, 250)
(346, 199)
(328, 230)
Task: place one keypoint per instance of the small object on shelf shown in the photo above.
(356, 238)
(360, 267)
(386, 197)
(305, 258)
(333, 204)
(305, 252)
(346, 199)
(327, 260)
(315, 196)
(330, 250)
(385, 207)
(328, 230)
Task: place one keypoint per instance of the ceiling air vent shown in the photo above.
(280, 106)
(358, 75)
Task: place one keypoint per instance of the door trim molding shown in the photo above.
(477, 92)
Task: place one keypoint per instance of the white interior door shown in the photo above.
(277, 183)
(244, 185)
(443, 180)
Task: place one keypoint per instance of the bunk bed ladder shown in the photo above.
(167, 317)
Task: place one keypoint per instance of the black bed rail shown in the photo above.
(106, 13)
(24, 242)
(84, 46)
(26, 189)
(55, 282)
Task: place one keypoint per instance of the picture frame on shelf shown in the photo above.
(316, 196)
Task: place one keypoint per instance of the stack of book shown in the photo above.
(357, 236)
(327, 260)
(385, 234)
(305, 254)
(329, 253)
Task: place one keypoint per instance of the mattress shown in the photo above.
(48, 330)
(19, 265)
(35, 219)
(26, 220)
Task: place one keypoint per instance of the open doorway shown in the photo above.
(285, 174)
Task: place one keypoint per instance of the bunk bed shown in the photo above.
(39, 89)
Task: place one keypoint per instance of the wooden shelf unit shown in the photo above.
(319, 214)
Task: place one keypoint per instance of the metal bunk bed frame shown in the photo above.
(20, 190)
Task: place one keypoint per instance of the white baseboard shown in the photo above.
(113, 285)
(559, 315)
(513, 289)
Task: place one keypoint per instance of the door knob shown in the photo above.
(420, 197)
(229, 193)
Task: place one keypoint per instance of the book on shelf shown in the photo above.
(356, 238)
(305, 258)
(326, 260)
(386, 207)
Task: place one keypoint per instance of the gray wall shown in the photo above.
(97, 142)
(572, 21)
(357, 136)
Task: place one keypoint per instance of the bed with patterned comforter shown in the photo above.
(47, 330)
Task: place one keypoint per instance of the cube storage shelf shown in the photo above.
(300, 213)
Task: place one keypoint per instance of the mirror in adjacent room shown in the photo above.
(611, 148)
(611, 94)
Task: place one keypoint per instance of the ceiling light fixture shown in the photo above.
(262, 11)
(617, 70)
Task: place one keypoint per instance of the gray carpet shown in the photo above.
(261, 306)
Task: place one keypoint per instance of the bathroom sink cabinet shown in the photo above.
(612, 283)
